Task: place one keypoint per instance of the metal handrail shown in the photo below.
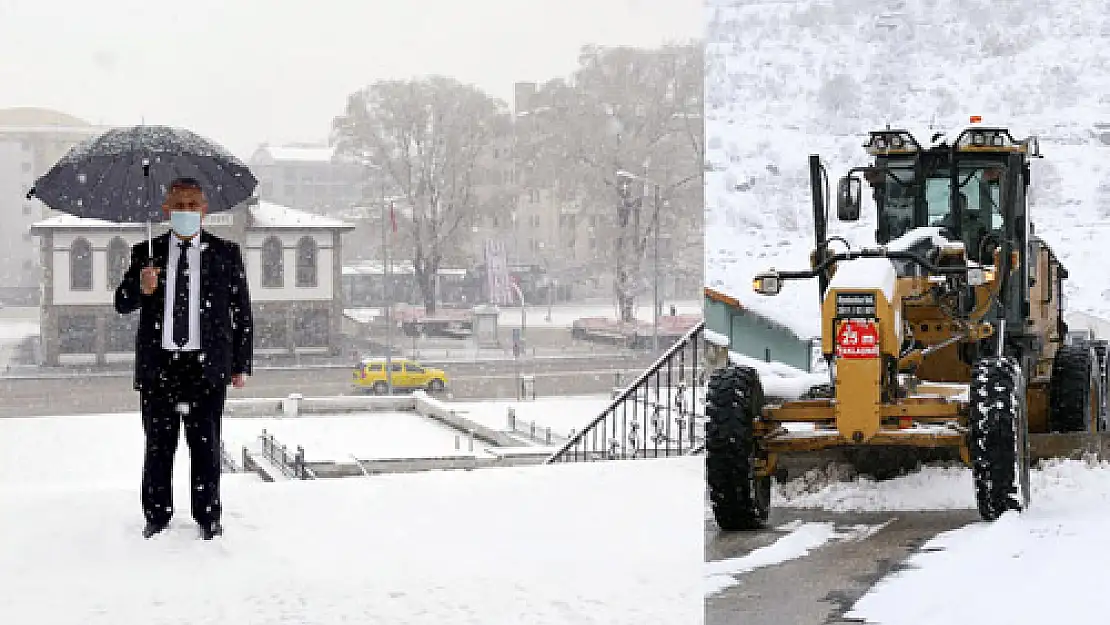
(640, 383)
(291, 465)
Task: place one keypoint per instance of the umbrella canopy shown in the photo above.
(122, 175)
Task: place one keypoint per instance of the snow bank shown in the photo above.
(1045, 565)
(1053, 484)
(931, 488)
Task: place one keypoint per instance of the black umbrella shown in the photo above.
(123, 174)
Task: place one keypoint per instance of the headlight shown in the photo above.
(767, 283)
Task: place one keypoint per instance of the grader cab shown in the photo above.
(947, 336)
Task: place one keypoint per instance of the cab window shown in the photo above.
(414, 368)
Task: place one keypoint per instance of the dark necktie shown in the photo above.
(181, 297)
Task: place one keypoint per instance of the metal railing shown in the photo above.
(291, 465)
(227, 462)
(533, 431)
(661, 413)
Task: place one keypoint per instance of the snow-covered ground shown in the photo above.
(109, 447)
(561, 414)
(1040, 566)
(1051, 555)
(799, 540)
(484, 547)
(565, 415)
(367, 436)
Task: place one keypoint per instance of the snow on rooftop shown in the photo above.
(302, 154)
(70, 221)
(265, 214)
(271, 215)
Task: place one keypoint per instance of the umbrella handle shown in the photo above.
(149, 244)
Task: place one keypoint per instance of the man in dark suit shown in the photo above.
(194, 338)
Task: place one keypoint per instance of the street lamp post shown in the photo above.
(518, 350)
(655, 278)
(655, 239)
(386, 276)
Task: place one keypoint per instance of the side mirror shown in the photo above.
(767, 283)
(848, 197)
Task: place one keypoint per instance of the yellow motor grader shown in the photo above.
(947, 335)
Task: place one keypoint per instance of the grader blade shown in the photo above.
(886, 462)
(1073, 445)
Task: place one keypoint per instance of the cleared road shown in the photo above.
(100, 394)
(818, 588)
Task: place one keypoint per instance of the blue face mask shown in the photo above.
(185, 223)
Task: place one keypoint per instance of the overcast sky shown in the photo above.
(246, 71)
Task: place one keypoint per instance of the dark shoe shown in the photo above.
(208, 531)
(153, 528)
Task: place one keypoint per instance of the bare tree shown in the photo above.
(637, 111)
(432, 139)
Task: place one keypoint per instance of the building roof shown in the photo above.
(65, 222)
(31, 116)
(263, 215)
(319, 154)
(270, 215)
(34, 121)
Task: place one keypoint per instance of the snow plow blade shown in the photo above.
(1074, 445)
(883, 462)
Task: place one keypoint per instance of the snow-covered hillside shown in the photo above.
(789, 79)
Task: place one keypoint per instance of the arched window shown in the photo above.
(80, 265)
(117, 261)
(306, 262)
(273, 265)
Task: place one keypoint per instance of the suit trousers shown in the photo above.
(181, 394)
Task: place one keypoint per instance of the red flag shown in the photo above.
(392, 218)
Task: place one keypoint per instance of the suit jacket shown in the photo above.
(226, 325)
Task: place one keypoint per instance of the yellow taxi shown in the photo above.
(370, 376)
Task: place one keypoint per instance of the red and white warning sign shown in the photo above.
(857, 339)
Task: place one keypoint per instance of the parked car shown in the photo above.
(370, 376)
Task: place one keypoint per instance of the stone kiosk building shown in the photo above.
(293, 268)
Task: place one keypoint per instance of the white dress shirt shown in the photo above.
(174, 253)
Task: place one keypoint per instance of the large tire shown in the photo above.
(998, 437)
(1074, 392)
(740, 500)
